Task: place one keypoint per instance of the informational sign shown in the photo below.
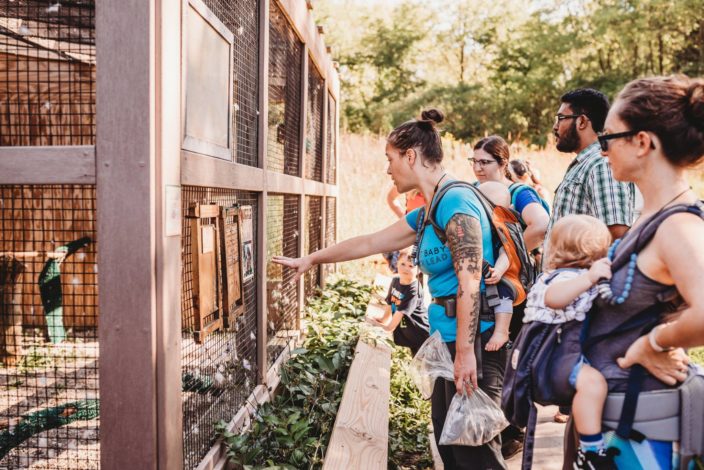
(231, 269)
(247, 241)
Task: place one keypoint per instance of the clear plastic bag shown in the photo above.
(432, 360)
(472, 420)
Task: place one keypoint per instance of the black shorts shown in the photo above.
(410, 335)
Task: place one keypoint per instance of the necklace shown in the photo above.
(604, 287)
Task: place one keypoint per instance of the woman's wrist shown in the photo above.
(652, 340)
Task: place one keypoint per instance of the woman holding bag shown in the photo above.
(414, 153)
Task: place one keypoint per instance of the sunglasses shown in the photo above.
(481, 163)
(605, 138)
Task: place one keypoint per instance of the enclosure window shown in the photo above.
(285, 56)
(241, 17)
(314, 123)
(331, 173)
(282, 291)
(219, 369)
(49, 399)
(47, 73)
(313, 242)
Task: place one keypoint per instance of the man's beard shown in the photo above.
(569, 142)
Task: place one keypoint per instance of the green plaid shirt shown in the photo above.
(589, 188)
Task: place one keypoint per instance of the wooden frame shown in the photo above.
(195, 143)
(206, 256)
(47, 165)
(230, 261)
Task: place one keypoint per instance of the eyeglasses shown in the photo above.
(481, 163)
(562, 117)
(604, 138)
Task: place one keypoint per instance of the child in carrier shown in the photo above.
(500, 293)
(565, 292)
(406, 314)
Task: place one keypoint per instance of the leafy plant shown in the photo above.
(409, 418)
(293, 430)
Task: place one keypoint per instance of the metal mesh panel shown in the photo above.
(47, 73)
(48, 327)
(220, 373)
(331, 172)
(330, 229)
(241, 17)
(282, 291)
(285, 55)
(313, 242)
(314, 123)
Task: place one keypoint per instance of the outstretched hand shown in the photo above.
(301, 265)
(669, 367)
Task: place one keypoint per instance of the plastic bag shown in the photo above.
(432, 360)
(472, 420)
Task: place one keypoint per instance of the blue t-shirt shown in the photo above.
(522, 195)
(436, 259)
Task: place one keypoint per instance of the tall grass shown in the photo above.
(364, 183)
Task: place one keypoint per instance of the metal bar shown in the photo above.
(47, 165)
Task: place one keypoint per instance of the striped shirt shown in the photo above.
(590, 188)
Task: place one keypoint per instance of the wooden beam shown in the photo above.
(125, 179)
(360, 437)
(201, 170)
(314, 188)
(47, 165)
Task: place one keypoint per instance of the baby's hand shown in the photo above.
(601, 269)
(494, 277)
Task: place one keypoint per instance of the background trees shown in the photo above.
(500, 66)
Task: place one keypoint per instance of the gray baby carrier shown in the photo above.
(675, 414)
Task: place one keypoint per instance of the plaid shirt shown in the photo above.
(589, 188)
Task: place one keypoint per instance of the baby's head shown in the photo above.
(576, 241)
(497, 193)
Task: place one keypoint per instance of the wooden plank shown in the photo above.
(47, 165)
(361, 433)
(201, 170)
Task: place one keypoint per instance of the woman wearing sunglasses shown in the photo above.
(414, 154)
(653, 133)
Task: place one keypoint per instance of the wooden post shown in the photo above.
(11, 270)
(126, 189)
(262, 308)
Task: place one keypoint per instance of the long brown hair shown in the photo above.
(497, 147)
(421, 134)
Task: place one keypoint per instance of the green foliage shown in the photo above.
(409, 447)
(697, 355)
(500, 67)
(293, 430)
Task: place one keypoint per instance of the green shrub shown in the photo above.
(293, 430)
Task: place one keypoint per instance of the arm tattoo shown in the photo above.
(464, 237)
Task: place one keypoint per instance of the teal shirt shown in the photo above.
(436, 259)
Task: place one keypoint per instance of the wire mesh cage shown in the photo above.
(313, 241)
(241, 17)
(330, 229)
(218, 371)
(49, 397)
(314, 123)
(285, 57)
(47, 73)
(282, 291)
(331, 150)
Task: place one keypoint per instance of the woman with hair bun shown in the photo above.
(414, 154)
(653, 133)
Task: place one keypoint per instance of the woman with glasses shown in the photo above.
(414, 154)
(490, 163)
(653, 133)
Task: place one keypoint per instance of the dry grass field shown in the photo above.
(364, 183)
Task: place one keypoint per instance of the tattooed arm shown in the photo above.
(464, 237)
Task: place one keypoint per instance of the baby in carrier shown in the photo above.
(500, 292)
(565, 292)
